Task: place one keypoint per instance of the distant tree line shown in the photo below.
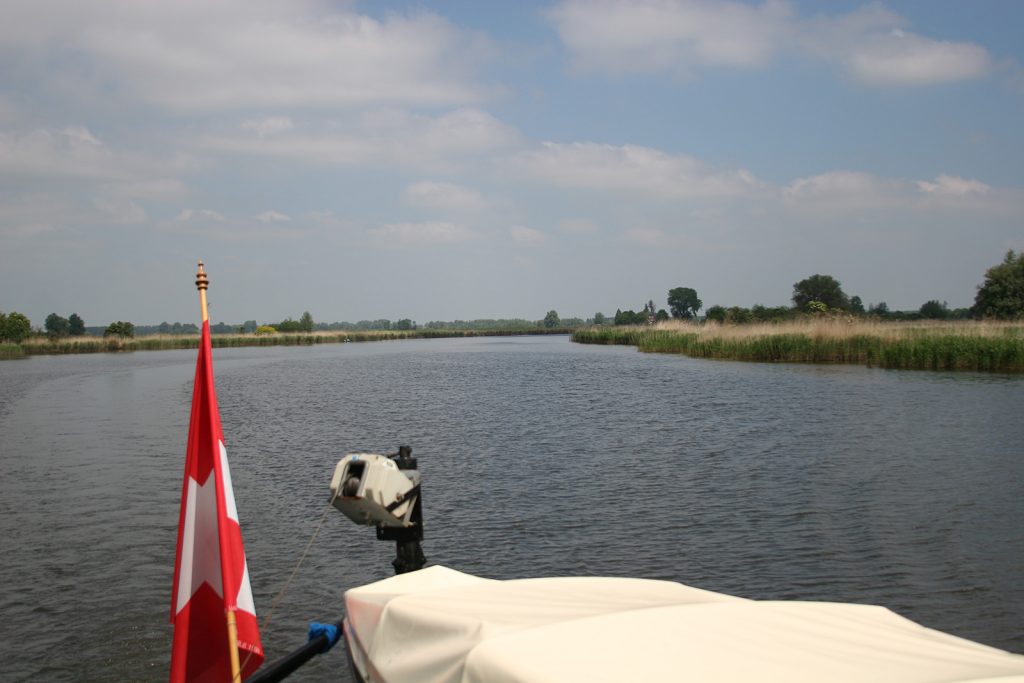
(16, 327)
(999, 297)
(822, 294)
(307, 324)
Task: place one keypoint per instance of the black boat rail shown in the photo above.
(287, 665)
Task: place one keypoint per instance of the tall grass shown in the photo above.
(160, 342)
(11, 351)
(962, 345)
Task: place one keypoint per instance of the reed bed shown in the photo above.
(962, 345)
(11, 351)
(161, 342)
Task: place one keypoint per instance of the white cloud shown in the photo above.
(45, 155)
(273, 217)
(845, 190)
(26, 216)
(380, 138)
(630, 36)
(98, 185)
(202, 215)
(194, 55)
(123, 211)
(25, 230)
(953, 193)
(527, 237)
(322, 216)
(577, 226)
(872, 45)
(839, 191)
(898, 58)
(70, 153)
(648, 36)
(158, 189)
(416, 234)
(36, 213)
(953, 186)
(434, 195)
(633, 170)
(9, 114)
(268, 126)
(647, 237)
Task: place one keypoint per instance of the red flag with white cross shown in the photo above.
(211, 601)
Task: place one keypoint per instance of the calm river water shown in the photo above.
(539, 457)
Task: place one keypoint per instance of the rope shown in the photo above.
(302, 558)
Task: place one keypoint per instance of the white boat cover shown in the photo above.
(438, 625)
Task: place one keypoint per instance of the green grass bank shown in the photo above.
(11, 351)
(38, 346)
(968, 345)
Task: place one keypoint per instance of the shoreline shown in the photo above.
(40, 346)
(964, 345)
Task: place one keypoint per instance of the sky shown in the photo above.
(458, 160)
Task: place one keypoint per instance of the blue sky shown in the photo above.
(442, 160)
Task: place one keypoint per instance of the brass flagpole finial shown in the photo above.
(202, 284)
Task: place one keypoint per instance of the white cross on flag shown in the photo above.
(210, 574)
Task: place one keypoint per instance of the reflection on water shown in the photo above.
(540, 457)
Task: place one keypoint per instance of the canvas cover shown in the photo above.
(438, 625)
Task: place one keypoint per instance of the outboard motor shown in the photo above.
(384, 491)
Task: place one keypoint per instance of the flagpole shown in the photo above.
(236, 668)
(202, 284)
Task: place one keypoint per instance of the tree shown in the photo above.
(599, 318)
(1002, 294)
(856, 305)
(306, 322)
(683, 302)
(662, 314)
(56, 326)
(739, 315)
(716, 313)
(249, 326)
(630, 317)
(405, 324)
(76, 326)
(881, 309)
(121, 329)
(551, 319)
(762, 313)
(934, 309)
(14, 327)
(289, 325)
(823, 288)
